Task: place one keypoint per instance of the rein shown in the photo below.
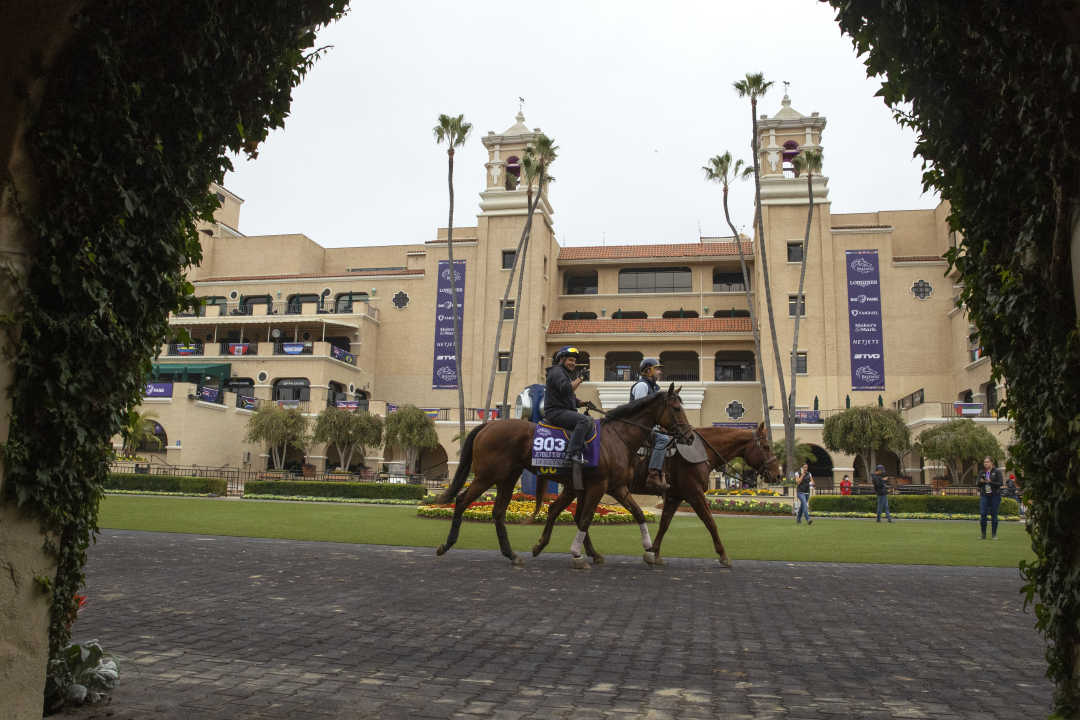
(724, 462)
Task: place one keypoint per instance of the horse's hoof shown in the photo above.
(517, 561)
(726, 561)
(649, 558)
(441, 550)
(537, 549)
(599, 560)
(580, 563)
(660, 560)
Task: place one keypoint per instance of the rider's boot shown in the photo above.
(576, 461)
(656, 480)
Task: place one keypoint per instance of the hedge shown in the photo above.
(166, 483)
(393, 491)
(950, 504)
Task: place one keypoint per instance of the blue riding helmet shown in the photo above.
(648, 363)
(566, 351)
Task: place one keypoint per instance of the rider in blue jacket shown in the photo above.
(645, 386)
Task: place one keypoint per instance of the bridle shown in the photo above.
(725, 463)
(685, 437)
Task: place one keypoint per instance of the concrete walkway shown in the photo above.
(251, 628)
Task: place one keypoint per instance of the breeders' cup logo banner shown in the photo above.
(864, 320)
(444, 374)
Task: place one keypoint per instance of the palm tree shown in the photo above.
(534, 165)
(720, 169)
(139, 429)
(754, 87)
(808, 161)
(799, 450)
(529, 170)
(454, 132)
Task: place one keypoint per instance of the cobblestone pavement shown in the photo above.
(240, 628)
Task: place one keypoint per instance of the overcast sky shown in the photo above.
(636, 94)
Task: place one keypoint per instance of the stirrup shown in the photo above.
(575, 466)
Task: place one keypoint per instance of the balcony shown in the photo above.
(260, 308)
(294, 348)
(729, 287)
(181, 350)
(238, 348)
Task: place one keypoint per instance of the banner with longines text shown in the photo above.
(444, 375)
(864, 320)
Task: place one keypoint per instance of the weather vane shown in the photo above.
(787, 86)
(521, 103)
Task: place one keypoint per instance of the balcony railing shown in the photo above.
(952, 410)
(294, 348)
(681, 376)
(302, 405)
(729, 287)
(976, 354)
(587, 290)
(238, 348)
(249, 403)
(183, 350)
(729, 373)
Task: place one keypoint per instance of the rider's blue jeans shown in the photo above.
(804, 507)
(662, 441)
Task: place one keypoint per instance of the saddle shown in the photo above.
(549, 452)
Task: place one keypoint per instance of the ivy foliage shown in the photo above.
(991, 88)
(141, 108)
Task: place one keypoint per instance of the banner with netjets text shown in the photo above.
(444, 376)
(864, 320)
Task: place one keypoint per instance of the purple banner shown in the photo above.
(864, 320)
(444, 374)
(158, 389)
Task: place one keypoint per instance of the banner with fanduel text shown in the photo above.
(864, 320)
(444, 375)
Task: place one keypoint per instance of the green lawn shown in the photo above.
(750, 538)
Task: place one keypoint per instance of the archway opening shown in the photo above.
(821, 468)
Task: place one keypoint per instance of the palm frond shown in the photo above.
(723, 170)
(754, 86)
(454, 131)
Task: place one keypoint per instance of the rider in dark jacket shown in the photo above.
(560, 404)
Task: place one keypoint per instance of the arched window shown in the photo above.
(361, 397)
(335, 392)
(791, 149)
(734, 366)
(621, 314)
(582, 284)
(296, 302)
(241, 386)
(680, 366)
(292, 389)
(513, 172)
(158, 443)
(622, 365)
(731, 313)
(991, 396)
(727, 281)
(656, 280)
(578, 315)
(680, 313)
(343, 303)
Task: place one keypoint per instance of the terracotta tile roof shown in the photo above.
(442, 241)
(709, 249)
(652, 325)
(919, 258)
(860, 227)
(366, 273)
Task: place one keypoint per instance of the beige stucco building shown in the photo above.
(291, 321)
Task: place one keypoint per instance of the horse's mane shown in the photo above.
(623, 412)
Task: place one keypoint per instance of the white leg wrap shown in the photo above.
(646, 541)
(575, 548)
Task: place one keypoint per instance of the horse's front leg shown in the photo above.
(586, 510)
(700, 504)
(671, 504)
(561, 502)
(627, 501)
(475, 490)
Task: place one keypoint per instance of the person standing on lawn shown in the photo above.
(1013, 490)
(845, 486)
(882, 490)
(990, 483)
(802, 492)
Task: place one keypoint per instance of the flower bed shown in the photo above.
(154, 492)
(319, 498)
(914, 516)
(521, 508)
(753, 507)
(757, 493)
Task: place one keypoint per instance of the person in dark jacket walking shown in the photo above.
(560, 406)
(990, 483)
(1012, 490)
(882, 492)
(802, 493)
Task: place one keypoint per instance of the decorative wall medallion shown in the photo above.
(735, 410)
(262, 377)
(400, 300)
(921, 289)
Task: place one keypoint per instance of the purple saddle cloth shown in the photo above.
(549, 449)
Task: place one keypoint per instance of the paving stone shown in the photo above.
(237, 628)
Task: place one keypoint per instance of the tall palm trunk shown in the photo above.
(454, 306)
(765, 262)
(753, 320)
(506, 296)
(789, 418)
(521, 277)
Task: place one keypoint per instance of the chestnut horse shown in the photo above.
(688, 481)
(497, 453)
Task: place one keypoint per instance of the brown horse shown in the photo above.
(688, 481)
(498, 452)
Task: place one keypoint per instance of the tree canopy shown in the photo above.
(864, 430)
(957, 441)
(347, 431)
(279, 428)
(412, 430)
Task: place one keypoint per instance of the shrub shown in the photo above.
(394, 491)
(166, 483)
(950, 504)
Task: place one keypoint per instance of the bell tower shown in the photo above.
(504, 193)
(780, 138)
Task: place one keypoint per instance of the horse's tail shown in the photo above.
(541, 495)
(463, 469)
